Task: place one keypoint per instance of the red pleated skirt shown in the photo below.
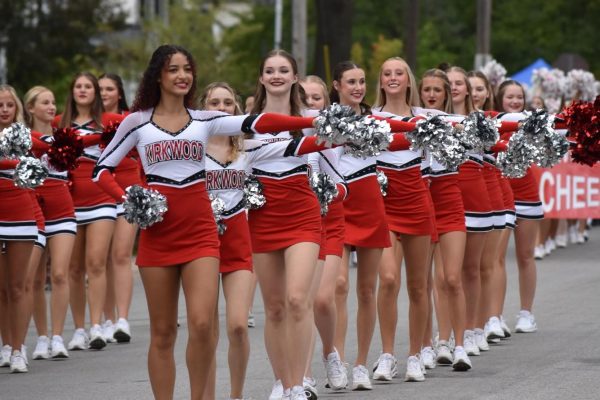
(490, 175)
(407, 205)
(57, 205)
(335, 227)
(448, 204)
(235, 245)
(479, 216)
(364, 215)
(527, 196)
(187, 232)
(509, 201)
(17, 218)
(90, 201)
(291, 215)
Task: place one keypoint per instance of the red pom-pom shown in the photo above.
(583, 122)
(108, 133)
(65, 150)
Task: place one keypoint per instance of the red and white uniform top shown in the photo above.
(401, 159)
(53, 174)
(177, 159)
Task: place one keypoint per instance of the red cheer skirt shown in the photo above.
(448, 204)
(479, 216)
(57, 205)
(235, 246)
(335, 227)
(17, 217)
(490, 175)
(90, 201)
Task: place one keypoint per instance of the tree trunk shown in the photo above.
(334, 34)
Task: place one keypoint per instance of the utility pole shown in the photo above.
(299, 34)
(412, 28)
(3, 63)
(278, 23)
(484, 28)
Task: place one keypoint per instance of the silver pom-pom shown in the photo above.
(536, 141)
(440, 139)
(332, 122)
(325, 189)
(383, 182)
(367, 137)
(29, 173)
(477, 133)
(144, 207)
(253, 193)
(218, 208)
(15, 141)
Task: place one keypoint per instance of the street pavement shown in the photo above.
(560, 361)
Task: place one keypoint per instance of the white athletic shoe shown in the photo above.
(310, 387)
(360, 378)
(79, 341)
(505, 328)
(298, 393)
(5, 354)
(539, 252)
(337, 377)
(444, 355)
(277, 391)
(480, 340)
(97, 341)
(561, 241)
(108, 331)
(17, 362)
(42, 348)
(525, 322)
(428, 357)
(414, 373)
(122, 331)
(461, 360)
(493, 329)
(469, 343)
(58, 348)
(580, 238)
(387, 368)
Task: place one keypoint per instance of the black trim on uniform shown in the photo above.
(294, 145)
(161, 179)
(248, 122)
(267, 174)
(239, 206)
(371, 169)
(224, 165)
(412, 163)
(339, 174)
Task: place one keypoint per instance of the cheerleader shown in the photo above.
(18, 232)
(95, 213)
(330, 257)
(183, 249)
(488, 316)
(435, 93)
(119, 276)
(511, 98)
(60, 228)
(478, 214)
(408, 207)
(366, 228)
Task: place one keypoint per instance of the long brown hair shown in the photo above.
(260, 96)
(488, 104)
(71, 107)
(236, 142)
(338, 72)
(412, 97)
(438, 73)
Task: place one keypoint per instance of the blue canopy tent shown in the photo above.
(524, 75)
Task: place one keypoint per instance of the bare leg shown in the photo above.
(341, 303)
(525, 234)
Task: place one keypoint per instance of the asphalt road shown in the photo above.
(560, 361)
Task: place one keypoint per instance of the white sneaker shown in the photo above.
(251, 321)
(122, 332)
(5, 354)
(79, 341)
(580, 238)
(298, 393)
(337, 377)
(573, 234)
(108, 331)
(469, 343)
(97, 341)
(525, 322)
(360, 378)
(42, 350)
(539, 252)
(561, 241)
(444, 355)
(493, 329)
(461, 359)
(414, 373)
(428, 357)
(310, 387)
(277, 391)
(387, 368)
(505, 328)
(17, 362)
(58, 348)
(480, 340)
